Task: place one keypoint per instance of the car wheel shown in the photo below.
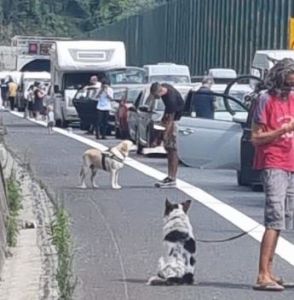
(240, 179)
(58, 123)
(117, 133)
(257, 187)
(139, 146)
(64, 123)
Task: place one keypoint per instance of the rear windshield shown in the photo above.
(120, 76)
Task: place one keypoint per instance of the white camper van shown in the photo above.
(264, 60)
(72, 65)
(168, 72)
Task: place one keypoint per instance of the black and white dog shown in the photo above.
(177, 266)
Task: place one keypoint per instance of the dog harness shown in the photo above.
(109, 154)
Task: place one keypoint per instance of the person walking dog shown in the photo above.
(273, 137)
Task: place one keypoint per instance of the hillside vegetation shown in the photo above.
(72, 18)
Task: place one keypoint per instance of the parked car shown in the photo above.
(144, 115)
(125, 98)
(85, 104)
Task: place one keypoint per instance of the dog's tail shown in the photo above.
(84, 166)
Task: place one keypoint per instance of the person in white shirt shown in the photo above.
(94, 83)
(105, 96)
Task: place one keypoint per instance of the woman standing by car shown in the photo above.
(105, 96)
(39, 95)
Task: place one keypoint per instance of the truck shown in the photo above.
(72, 65)
(167, 72)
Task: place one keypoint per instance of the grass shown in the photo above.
(14, 206)
(63, 243)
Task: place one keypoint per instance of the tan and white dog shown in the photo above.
(111, 160)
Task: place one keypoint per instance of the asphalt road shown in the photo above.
(117, 234)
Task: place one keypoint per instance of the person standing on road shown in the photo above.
(39, 95)
(203, 100)
(273, 137)
(105, 96)
(174, 106)
(12, 92)
(94, 83)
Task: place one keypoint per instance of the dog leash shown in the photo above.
(235, 237)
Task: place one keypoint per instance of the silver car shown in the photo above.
(212, 143)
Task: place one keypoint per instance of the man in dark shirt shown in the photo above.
(174, 106)
(203, 101)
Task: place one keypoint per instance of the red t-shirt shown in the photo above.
(272, 112)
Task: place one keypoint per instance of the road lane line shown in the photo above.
(285, 249)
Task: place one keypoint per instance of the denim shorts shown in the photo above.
(279, 199)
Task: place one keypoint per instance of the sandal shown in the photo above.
(268, 286)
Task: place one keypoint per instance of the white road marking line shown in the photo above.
(285, 249)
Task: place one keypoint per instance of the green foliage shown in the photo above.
(14, 206)
(64, 18)
(63, 243)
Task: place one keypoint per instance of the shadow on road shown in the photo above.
(212, 284)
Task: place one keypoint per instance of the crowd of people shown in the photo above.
(34, 97)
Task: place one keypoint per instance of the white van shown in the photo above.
(72, 65)
(167, 72)
(264, 60)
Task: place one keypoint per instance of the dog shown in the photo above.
(177, 266)
(111, 160)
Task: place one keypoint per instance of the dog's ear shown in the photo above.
(168, 207)
(186, 205)
(124, 147)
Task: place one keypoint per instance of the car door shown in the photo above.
(145, 112)
(212, 143)
(133, 116)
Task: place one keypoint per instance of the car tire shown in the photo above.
(257, 187)
(139, 146)
(58, 123)
(240, 179)
(117, 133)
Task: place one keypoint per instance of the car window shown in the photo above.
(227, 108)
(89, 93)
(128, 75)
(154, 105)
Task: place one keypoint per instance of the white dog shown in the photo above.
(178, 263)
(110, 161)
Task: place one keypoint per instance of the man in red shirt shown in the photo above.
(273, 137)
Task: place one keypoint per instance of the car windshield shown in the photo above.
(220, 105)
(126, 76)
(170, 78)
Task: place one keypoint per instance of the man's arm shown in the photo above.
(260, 137)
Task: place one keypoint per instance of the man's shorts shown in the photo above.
(170, 141)
(279, 199)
